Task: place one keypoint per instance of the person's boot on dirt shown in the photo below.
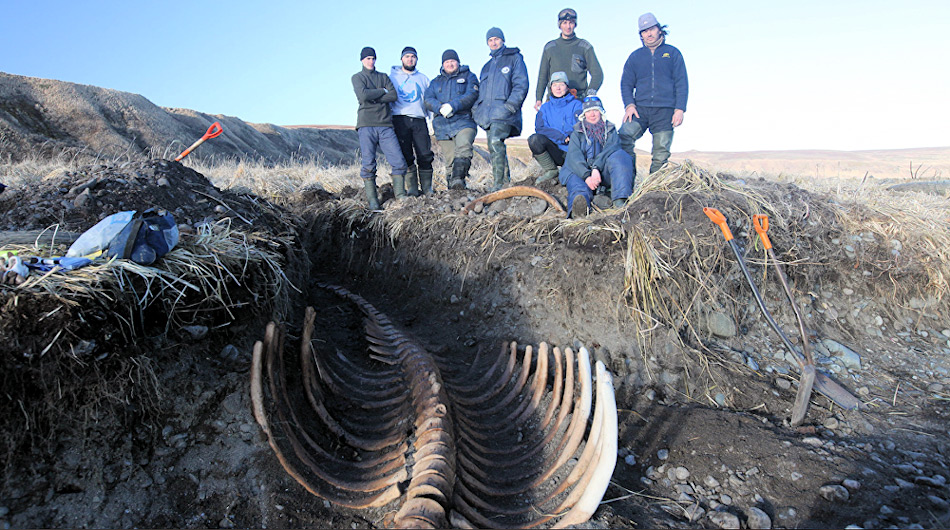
(579, 207)
(372, 194)
(425, 181)
(548, 165)
(412, 182)
(460, 168)
(399, 186)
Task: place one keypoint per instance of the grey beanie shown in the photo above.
(495, 32)
(647, 21)
(558, 77)
(450, 54)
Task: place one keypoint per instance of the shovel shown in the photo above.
(822, 383)
(213, 132)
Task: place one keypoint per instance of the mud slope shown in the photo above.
(703, 386)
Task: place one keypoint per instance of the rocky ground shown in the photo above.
(704, 387)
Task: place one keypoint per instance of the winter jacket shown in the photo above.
(502, 89)
(410, 88)
(375, 92)
(655, 80)
(575, 57)
(584, 155)
(459, 89)
(557, 117)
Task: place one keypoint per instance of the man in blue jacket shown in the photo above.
(594, 158)
(503, 87)
(374, 124)
(553, 126)
(450, 97)
(654, 88)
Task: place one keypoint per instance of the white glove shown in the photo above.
(445, 110)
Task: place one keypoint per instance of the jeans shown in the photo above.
(413, 135)
(659, 121)
(618, 175)
(460, 146)
(373, 139)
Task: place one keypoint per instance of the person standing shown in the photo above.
(654, 88)
(553, 126)
(503, 87)
(374, 124)
(572, 55)
(594, 158)
(409, 122)
(450, 97)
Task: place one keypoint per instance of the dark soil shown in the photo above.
(112, 425)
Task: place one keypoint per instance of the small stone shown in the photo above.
(650, 394)
(847, 291)
(453, 299)
(479, 207)
(831, 423)
(851, 484)
(721, 324)
(940, 502)
(695, 512)
(720, 399)
(725, 499)
(230, 352)
(903, 484)
(682, 473)
(196, 332)
(725, 520)
(758, 518)
(934, 387)
(796, 476)
(226, 523)
(4, 511)
(812, 441)
(163, 182)
(886, 510)
(711, 482)
(847, 357)
(783, 383)
(663, 454)
(834, 492)
(630, 460)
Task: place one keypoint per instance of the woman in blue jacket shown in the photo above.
(553, 126)
(450, 97)
(594, 158)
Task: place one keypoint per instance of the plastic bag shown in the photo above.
(98, 237)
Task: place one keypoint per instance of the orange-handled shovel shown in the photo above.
(213, 132)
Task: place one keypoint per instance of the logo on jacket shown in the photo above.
(460, 80)
(505, 70)
(409, 97)
(666, 54)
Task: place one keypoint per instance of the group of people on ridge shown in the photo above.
(572, 140)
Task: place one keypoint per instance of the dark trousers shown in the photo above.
(539, 143)
(413, 135)
(659, 120)
(373, 139)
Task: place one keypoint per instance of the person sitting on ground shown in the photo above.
(450, 97)
(594, 158)
(553, 126)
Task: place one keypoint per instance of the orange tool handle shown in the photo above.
(716, 216)
(761, 224)
(213, 132)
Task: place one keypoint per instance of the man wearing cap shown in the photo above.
(409, 122)
(553, 126)
(654, 88)
(451, 96)
(374, 124)
(571, 55)
(595, 159)
(503, 87)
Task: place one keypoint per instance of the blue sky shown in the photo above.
(842, 75)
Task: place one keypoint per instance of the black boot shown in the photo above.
(412, 182)
(372, 195)
(460, 169)
(425, 181)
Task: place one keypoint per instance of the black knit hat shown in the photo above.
(409, 49)
(450, 54)
(367, 52)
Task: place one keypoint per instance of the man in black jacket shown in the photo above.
(374, 123)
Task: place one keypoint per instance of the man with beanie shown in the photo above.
(503, 87)
(595, 160)
(571, 55)
(553, 126)
(374, 124)
(654, 88)
(451, 96)
(409, 122)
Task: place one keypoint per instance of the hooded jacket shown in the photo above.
(375, 92)
(410, 90)
(502, 89)
(584, 155)
(459, 89)
(556, 118)
(655, 79)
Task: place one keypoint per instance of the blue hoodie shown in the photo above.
(410, 88)
(556, 118)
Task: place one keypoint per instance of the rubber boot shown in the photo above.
(548, 165)
(579, 207)
(399, 186)
(425, 181)
(412, 182)
(460, 169)
(372, 195)
(661, 149)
